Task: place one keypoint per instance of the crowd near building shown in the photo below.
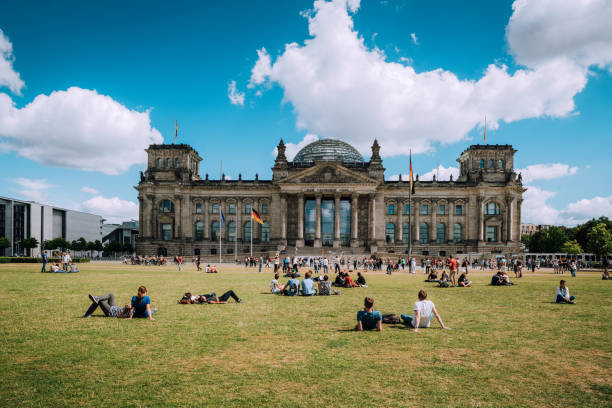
(28, 219)
(330, 198)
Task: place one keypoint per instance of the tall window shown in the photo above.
(166, 206)
(442, 209)
(390, 233)
(490, 163)
(327, 222)
(232, 209)
(198, 208)
(491, 208)
(247, 208)
(407, 209)
(158, 163)
(166, 232)
(405, 232)
(391, 209)
(424, 209)
(482, 163)
(441, 233)
(246, 231)
(265, 232)
(345, 222)
(215, 208)
(310, 221)
(424, 233)
(458, 209)
(214, 231)
(177, 162)
(457, 233)
(168, 162)
(199, 231)
(264, 208)
(500, 163)
(231, 231)
(491, 234)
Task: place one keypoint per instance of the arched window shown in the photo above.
(500, 164)
(457, 232)
(246, 231)
(199, 231)
(168, 162)
(390, 233)
(166, 206)
(405, 232)
(491, 208)
(247, 209)
(215, 208)
(391, 209)
(424, 233)
(490, 163)
(424, 209)
(441, 233)
(158, 163)
(198, 209)
(177, 162)
(265, 232)
(231, 231)
(482, 163)
(232, 209)
(214, 231)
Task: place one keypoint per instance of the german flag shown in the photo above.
(256, 217)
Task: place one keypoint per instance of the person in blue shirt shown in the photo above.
(44, 261)
(292, 287)
(308, 288)
(141, 305)
(368, 318)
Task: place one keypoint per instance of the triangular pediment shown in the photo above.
(328, 173)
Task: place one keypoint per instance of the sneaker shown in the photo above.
(94, 299)
(86, 315)
(239, 300)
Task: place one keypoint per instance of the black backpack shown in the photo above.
(391, 318)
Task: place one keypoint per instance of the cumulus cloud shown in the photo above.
(89, 190)
(113, 209)
(342, 89)
(235, 96)
(441, 173)
(77, 128)
(8, 77)
(291, 149)
(546, 171)
(32, 189)
(415, 40)
(535, 208)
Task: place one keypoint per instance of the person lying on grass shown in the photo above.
(463, 281)
(424, 311)
(563, 295)
(368, 318)
(210, 298)
(276, 287)
(109, 307)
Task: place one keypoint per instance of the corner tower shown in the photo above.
(172, 163)
(492, 163)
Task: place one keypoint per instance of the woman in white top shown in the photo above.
(276, 287)
(424, 311)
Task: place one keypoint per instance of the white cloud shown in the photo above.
(586, 209)
(89, 190)
(8, 76)
(77, 128)
(113, 209)
(291, 149)
(236, 97)
(342, 89)
(535, 208)
(415, 40)
(33, 184)
(544, 30)
(546, 171)
(441, 173)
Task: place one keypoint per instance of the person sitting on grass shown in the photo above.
(500, 279)
(368, 318)
(605, 275)
(292, 287)
(108, 305)
(276, 287)
(433, 277)
(325, 287)
(308, 288)
(424, 311)
(361, 280)
(141, 305)
(339, 280)
(563, 295)
(56, 269)
(463, 281)
(348, 281)
(443, 283)
(73, 268)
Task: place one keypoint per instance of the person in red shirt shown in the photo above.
(179, 262)
(452, 264)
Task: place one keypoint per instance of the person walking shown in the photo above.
(44, 261)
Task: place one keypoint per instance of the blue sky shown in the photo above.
(100, 81)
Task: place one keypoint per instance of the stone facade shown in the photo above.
(330, 198)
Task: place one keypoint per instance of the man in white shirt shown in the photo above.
(412, 266)
(424, 311)
(563, 295)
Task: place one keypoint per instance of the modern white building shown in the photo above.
(28, 219)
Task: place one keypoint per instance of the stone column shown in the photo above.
(239, 211)
(400, 230)
(451, 222)
(317, 241)
(300, 226)
(480, 208)
(206, 210)
(510, 220)
(336, 243)
(417, 230)
(284, 219)
(373, 217)
(178, 207)
(355, 220)
(153, 217)
(187, 217)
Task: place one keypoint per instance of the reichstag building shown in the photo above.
(330, 200)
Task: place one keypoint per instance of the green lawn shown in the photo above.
(510, 346)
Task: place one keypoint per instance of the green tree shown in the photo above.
(571, 247)
(98, 245)
(57, 243)
(525, 239)
(583, 230)
(28, 244)
(599, 240)
(113, 247)
(553, 239)
(4, 243)
(127, 247)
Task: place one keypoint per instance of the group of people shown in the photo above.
(209, 298)
(139, 307)
(146, 260)
(67, 266)
(323, 285)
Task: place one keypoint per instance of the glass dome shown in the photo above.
(328, 150)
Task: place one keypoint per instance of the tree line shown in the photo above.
(80, 245)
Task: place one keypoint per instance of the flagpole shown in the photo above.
(220, 210)
(252, 226)
(411, 209)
